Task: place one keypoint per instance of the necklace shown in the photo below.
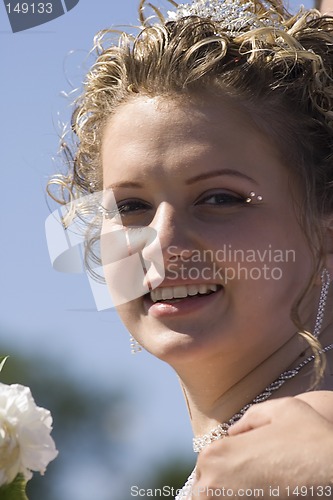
(221, 431)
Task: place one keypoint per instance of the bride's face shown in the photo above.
(186, 171)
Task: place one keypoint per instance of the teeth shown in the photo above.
(192, 290)
(166, 293)
(180, 292)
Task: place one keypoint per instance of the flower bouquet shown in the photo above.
(25, 441)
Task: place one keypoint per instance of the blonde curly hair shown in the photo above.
(282, 76)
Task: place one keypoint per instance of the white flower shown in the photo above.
(25, 441)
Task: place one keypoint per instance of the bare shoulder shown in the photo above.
(321, 401)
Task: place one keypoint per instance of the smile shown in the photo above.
(182, 291)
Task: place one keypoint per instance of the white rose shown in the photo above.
(25, 441)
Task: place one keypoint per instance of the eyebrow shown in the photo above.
(125, 184)
(197, 178)
(216, 173)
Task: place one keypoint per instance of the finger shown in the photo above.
(255, 417)
(264, 413)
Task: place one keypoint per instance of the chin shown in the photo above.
(178, 348)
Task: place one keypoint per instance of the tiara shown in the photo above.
(234, 16)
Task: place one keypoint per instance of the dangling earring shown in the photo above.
(135, 346)
(325, 284)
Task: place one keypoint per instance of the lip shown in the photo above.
(189, 305)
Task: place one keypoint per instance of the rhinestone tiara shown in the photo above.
(234, 16)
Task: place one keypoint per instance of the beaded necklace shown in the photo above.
(221, 431)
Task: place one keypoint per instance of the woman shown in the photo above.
(210, 138)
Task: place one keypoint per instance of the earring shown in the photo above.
(325, 284)
(135, 346)
(251, 197)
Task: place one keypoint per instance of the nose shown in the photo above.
(174, 235)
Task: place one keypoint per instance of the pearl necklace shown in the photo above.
(221, 431)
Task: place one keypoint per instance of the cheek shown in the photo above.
(270, 255)
(269, 235)
(122, 259)
(129, 314)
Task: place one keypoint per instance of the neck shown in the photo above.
(215, 395)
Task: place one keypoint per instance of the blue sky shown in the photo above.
(46, 312)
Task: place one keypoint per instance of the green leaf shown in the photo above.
(3, 360)
(14, 490)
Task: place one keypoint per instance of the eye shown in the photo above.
(132, 206)
(126, 209)
(221, 198)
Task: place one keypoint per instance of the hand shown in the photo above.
(276, 447)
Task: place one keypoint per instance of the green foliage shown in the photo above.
(80, 414)
(171, 474)
(15, 490)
